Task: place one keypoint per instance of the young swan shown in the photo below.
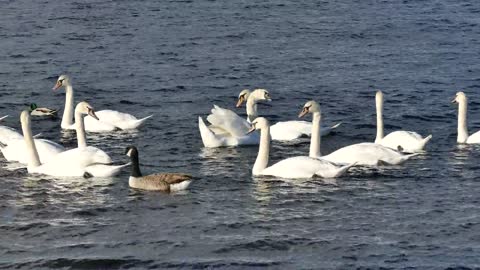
(294, 167)
(405, 141)
(370, 154)
(284, 130)
(462, 129)
(167, 182)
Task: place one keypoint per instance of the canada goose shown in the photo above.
(167, 182)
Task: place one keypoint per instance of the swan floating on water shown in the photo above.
(405, 141)
(369, 154)
(462, 127)
(109, 120)
(293, 167)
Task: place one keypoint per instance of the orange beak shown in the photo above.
(303, 113)
(57, 85)
(240, 101)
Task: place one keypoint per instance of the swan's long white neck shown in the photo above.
(315, 138)
(379, 106)
(33, 158)
(67, 119)
(263, 152)
(80, 129)
(462, 129)
(251, 108)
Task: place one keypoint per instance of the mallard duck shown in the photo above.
(36, 111)
(167, 182)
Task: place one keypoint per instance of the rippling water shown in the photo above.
(175, 59)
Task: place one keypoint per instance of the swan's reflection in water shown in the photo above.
(227, 162)
(57, 189)
(69, 137)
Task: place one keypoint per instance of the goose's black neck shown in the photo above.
(135, 165)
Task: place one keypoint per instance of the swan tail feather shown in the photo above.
(102, 170)
(208, 137)
(404, 158)
(140, 122)
(344, 169)
(426, 140)
(336, 125)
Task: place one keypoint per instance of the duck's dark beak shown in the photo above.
(91, 112)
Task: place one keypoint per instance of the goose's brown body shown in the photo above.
(159, 181)
(166, 182)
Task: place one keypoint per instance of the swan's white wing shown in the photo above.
(74, 162)
(93, 125)
(119, 119)
(16, 150)
(301, 167)
(369, 154)
(290, 130)
(211, 139)
(409, 141)
(8, 133)
(474, 138)
(81, 157)
(228, 121)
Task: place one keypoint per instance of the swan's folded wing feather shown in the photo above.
(474, 138)
(8, 133)
(81, 157)
(111, 116)
(290, 130)
(228, 121)
(298, 167)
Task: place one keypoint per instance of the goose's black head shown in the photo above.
(131, 151)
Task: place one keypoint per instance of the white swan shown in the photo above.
(284, 130)
(294, 167)
(74, 162)
(370, 154)
(83, 154)
(109, 120)
(405, 141)
(229, 129)
(462, 128)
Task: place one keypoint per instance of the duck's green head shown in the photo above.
(33, 106)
